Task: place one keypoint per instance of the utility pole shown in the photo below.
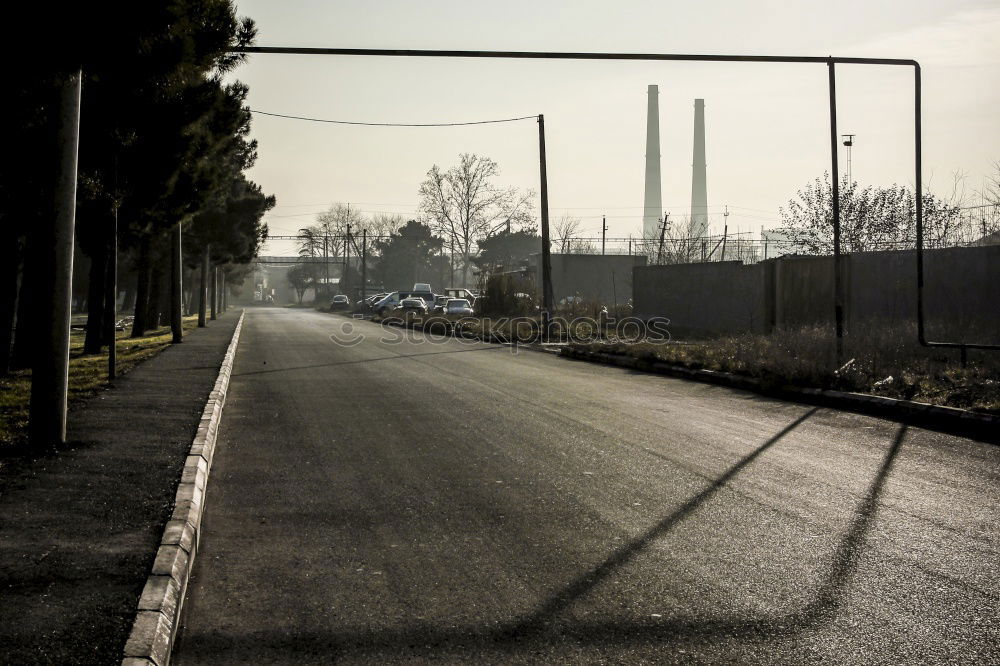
(326, 262)
(604, 231)
(364, 263)
(546, 250)
(53, 255)
(663, 233)
(347, 258)
(838, 306)
(725, 231)
(849, 142)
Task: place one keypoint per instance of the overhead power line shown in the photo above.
(356, 122)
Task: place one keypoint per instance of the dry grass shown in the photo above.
(87, 375)
(882, 361)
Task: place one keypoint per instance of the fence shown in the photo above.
(962, 289)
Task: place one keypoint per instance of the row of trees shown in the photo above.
(163, 145)
(469, 220)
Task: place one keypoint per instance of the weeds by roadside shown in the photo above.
(881, 361)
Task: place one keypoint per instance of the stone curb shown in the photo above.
(158, 616)
(951, 419)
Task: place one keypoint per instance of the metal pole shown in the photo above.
(546, 252)
(54, 268)
(725, 232)
(347, 259)
(838, 307)
(176, 286)
(604, 231)
(111, 298)
(364, 263)
(919, 185)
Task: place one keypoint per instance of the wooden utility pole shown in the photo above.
(604, 231)
(347, 259)
(663, 233)
(725, 232)
(546, 250)
(53, 271)
(364, 263)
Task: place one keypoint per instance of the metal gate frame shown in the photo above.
(829, 61)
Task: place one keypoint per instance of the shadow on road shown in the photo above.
(537, 630)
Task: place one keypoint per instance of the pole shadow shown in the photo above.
(535, 631)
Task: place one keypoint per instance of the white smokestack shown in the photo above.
(699, 187)
(653, 206)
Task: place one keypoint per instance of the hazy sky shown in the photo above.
(766, 125)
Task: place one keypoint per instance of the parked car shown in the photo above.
(458, 306)
(410, 307)
(340, 302)
(460, 292)
(421, 286)
(369, 301)
(389, 303)
(439, 303)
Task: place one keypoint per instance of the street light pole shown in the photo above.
(546, 250)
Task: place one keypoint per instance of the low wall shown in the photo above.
(961, 293)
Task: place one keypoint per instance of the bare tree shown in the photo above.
(987, 214)
(566, 228)
(464, 206)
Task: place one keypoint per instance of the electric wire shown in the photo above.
(369, 124)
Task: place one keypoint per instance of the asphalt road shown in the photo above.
(402, 501)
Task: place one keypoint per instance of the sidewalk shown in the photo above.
(79, 528)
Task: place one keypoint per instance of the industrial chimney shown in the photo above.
(699, 188)
(653, 207)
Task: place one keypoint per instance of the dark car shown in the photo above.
(340, 302)
(410, 307)
(458, 306)
(439, 304)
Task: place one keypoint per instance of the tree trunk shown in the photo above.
(139, 323)
(24, 333)
(176, 284)
(93, 341)
(128, 302)
(10, 272)
(203, 289)
(215, 291)
(154, 309)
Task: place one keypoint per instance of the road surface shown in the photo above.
(402, 501)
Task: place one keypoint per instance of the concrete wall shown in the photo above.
(718, 297)
(961, 293)
(594, 277)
